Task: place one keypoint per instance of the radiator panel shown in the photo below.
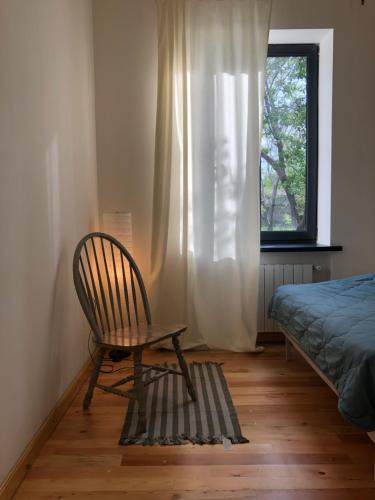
(270, 277)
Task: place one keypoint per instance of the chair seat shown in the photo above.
(138, 336)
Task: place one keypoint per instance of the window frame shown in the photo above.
(311, 51)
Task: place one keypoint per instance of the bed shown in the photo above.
(332, 324)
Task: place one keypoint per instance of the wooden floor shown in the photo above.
(300, 448)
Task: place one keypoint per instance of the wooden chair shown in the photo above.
(113, 297)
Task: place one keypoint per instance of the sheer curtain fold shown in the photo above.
(205, 244)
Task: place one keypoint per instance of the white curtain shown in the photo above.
(205, 245)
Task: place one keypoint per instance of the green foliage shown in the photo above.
(283, 160)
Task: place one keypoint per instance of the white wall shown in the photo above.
(48, 200)
(125, 67)
(125, 47)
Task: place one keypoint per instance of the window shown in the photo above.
(289, 149)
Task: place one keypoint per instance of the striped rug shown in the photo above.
(172, 418)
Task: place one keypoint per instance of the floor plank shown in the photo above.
(300, 447)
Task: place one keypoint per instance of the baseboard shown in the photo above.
(10, 484)
(265, 337)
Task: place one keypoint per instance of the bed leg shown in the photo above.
(287, 349)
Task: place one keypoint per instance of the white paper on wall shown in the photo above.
(119, 225)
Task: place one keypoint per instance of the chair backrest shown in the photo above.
(109, 284)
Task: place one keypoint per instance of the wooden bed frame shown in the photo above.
(289, 339)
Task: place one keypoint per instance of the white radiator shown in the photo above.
(272, 276)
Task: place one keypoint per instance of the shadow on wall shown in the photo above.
(54, 316)
(57, 325)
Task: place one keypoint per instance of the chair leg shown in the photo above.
(93, 379)
(140, 392)
(184, 368)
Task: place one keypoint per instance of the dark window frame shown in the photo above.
(311, 51)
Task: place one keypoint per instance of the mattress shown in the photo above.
(334, 324)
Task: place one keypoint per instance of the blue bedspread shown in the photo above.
(334, 324)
